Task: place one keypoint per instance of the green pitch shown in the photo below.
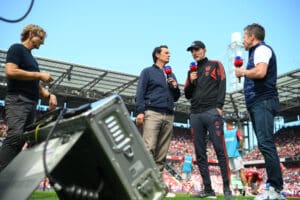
(43, 195)
(49, 195)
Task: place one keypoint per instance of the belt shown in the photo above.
(162, 111)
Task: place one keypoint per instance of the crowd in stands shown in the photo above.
(287, 141)
(3, 128)
(181, 140)
(3, 125)
(288, 145)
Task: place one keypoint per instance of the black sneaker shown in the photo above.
(205, 194)
(243, 192)
(228, 195)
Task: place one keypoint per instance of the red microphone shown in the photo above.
(238, 62)
(193, 67)
(168, 71)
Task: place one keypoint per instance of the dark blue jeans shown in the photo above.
(262, 116)
(20, 112)
(201, 123)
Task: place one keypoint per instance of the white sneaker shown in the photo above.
(171, 195)
(270, 194)
(249, 194)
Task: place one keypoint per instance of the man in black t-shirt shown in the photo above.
(23, 90)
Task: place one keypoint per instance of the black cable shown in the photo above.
(73, 192)
(21, 18)
(47, 141)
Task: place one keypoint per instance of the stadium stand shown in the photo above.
(76, 84)
(287, 141)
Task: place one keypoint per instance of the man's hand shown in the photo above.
(193, 76)
(172, 82)
(239, 72)
(140, 119)
(52, 102)
(219, 111)
(45, 77)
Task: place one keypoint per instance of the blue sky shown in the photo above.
(120, 35)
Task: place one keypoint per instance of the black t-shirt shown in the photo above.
(21, 56)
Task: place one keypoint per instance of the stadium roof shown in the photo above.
(78, 82)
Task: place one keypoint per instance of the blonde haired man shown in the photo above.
(24, 88)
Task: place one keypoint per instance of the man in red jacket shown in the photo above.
(205, 87)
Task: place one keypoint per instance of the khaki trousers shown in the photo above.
(157, 133)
